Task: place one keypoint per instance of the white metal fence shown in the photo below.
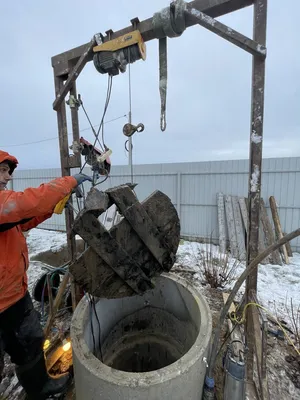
(193, 189)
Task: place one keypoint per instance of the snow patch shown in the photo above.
(40, 240)
(261, 49)
(255, 138)
(206, 18)
(276, 284)
(254, 179)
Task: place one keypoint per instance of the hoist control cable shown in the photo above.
(108, 95)
(130, 117)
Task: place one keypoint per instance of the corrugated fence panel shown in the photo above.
(193, 189)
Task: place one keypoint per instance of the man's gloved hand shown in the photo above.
(80, 178)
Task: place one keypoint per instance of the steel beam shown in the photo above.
(227, 33)
(62, 63)
(256, 140)
(87, 53)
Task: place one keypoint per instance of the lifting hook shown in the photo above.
(130, 129)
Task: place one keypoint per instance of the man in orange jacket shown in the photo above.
(21, 335)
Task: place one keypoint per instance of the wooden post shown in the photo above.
(66, 163)
(256, 138)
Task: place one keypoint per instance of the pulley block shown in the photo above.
(130, 129)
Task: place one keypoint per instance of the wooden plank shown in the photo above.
(229, 34)
(244, 212)
(49, 287)
(143, 225)
(240, 232)
(231, 227)
(261, 244)
(257, 340)
(277, 226)
(259, 353)
(264, 332)
(98, 279)
(57, 303)
(235, 336)
(269, 234)
(288, 247)
(222, 223)
(251, 391)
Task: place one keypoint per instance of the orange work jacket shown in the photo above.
(19, 212)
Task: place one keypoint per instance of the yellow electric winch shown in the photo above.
(113, 56)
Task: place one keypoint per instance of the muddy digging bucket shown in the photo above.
(153, 346)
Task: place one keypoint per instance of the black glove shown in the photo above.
(80, 178)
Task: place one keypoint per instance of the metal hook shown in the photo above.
(129, 129)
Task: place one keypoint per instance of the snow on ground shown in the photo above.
(40, 240)
(276, 284)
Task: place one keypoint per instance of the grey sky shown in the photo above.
(208, 108)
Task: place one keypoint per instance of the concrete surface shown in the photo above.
(153, 346)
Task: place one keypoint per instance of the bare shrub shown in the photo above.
(219, 270)
(293, 313)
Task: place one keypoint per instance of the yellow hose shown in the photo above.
(242, 320)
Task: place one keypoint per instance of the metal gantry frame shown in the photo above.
(68, 65)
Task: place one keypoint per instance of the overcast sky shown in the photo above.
(209, 86)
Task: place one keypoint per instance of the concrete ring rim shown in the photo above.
(168, 373)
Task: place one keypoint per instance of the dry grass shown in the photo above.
(219, 270)
(293, 313)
